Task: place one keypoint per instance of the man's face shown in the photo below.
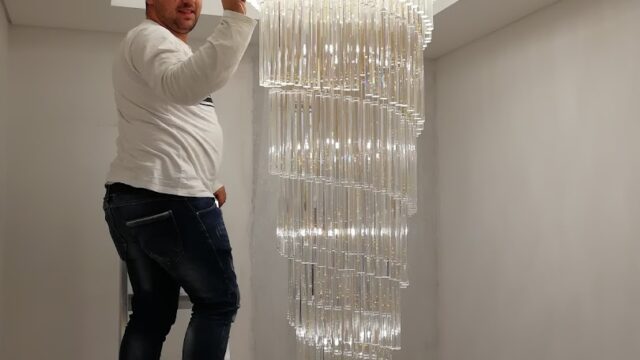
(179, 16)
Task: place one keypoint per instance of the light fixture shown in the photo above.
(346, 108)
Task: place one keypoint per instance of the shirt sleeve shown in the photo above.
(186, 80)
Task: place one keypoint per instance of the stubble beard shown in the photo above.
(184, 29)
(177, 25)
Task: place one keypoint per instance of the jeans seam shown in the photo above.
(207, 209)
(215, 251)
(198, 212)
(117, 231)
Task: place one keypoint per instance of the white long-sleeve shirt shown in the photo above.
(169, 138)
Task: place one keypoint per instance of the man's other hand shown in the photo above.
(238, 6)
(221, 196)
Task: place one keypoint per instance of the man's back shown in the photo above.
(170, 139)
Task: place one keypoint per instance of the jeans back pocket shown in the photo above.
(158, 236)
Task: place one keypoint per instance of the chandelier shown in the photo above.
(346, 83)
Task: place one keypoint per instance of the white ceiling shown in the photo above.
(458, 22)
(468, 20)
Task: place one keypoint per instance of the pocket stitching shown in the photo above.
(149, 219)
(207, 209)
(167, 215)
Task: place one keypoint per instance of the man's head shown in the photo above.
(178, 16)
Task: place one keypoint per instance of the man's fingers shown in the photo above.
(221, 200)
(221, 196)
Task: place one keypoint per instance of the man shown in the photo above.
(163, 191)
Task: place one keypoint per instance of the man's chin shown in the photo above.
(185, 28)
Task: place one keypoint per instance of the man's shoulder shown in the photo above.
(145, 30)
(148, 34)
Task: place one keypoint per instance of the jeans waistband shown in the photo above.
(122, 188)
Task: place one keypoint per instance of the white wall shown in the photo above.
(539, 181)
(275, 339)
(4, 47)
(61, 269)
(419, 300)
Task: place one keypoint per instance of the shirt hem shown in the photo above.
(157, 185)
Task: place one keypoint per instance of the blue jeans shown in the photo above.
(168, 242)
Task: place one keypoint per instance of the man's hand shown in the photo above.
(238, 6)
(221, 196)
